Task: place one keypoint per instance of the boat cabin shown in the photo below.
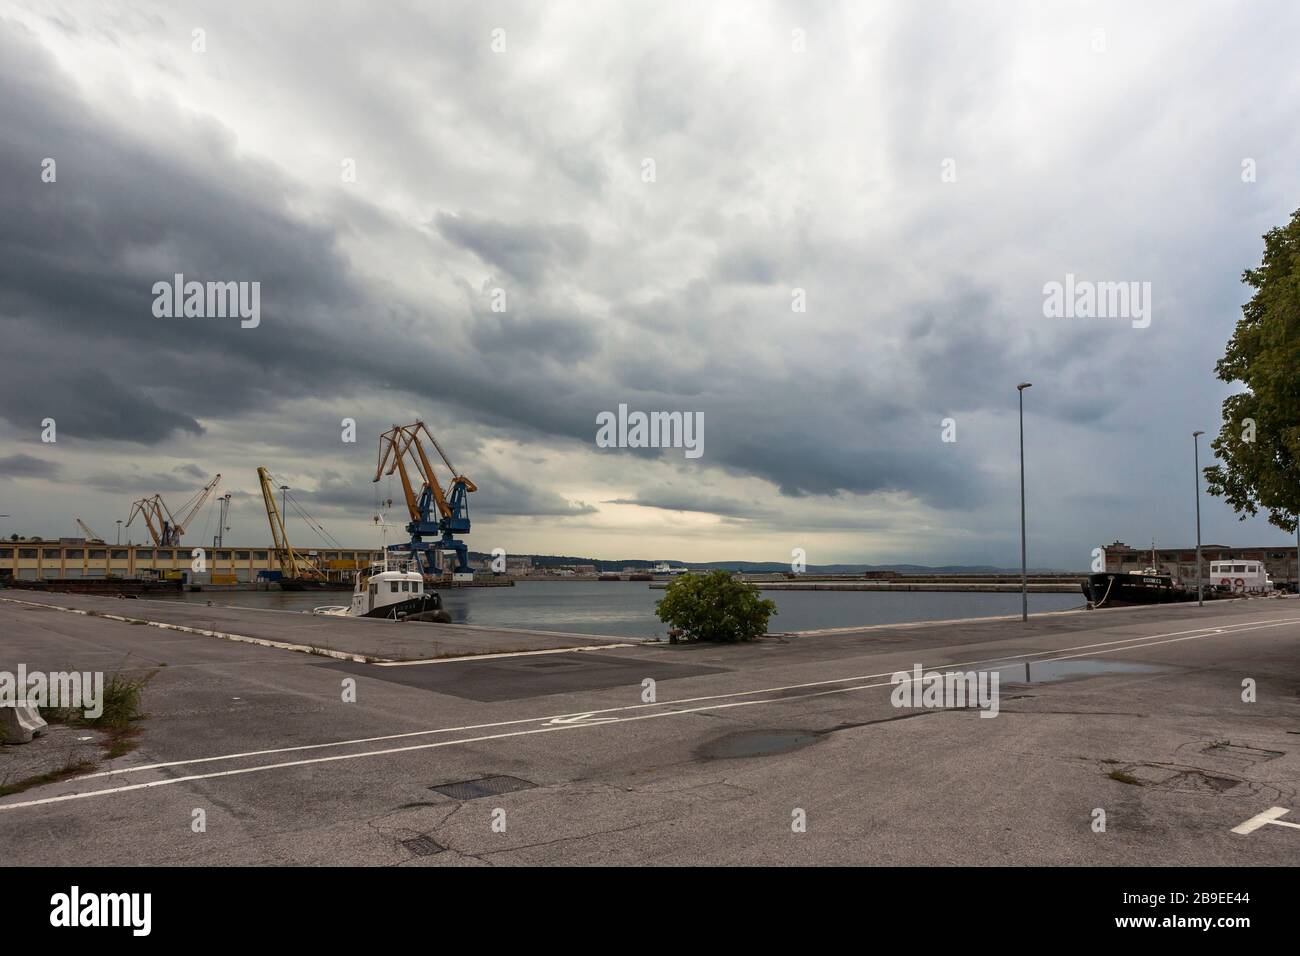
(383, 584)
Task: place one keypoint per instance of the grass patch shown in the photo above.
(72, 768)
(122, 694)
(1123, 777)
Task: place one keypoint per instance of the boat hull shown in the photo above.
(1130, 590)
(412, 609)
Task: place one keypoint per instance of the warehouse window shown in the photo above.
(97, 555)
(144, 553)
(119, 555)
(75, 553)
(50, 554)
(165, 555)
(223, 555)
(6, 552)
(259, 555)
(27, 553)
(241, 555)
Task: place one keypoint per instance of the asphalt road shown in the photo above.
(1137, 714)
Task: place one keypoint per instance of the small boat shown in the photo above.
(1126, 589)
(396, 591)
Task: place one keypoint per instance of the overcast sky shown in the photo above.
(919, 171)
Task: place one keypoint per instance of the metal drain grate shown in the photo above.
(422, 846)
(482, 787)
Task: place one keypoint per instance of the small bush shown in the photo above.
(715, 607)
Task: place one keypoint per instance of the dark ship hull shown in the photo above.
(1128, 590)
(425, 607)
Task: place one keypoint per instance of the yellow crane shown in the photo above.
(164, 527)
(294, 567)
(89, 532)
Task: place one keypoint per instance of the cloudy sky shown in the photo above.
(648, 184)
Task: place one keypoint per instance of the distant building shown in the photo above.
(36, 560)
(1181, 563)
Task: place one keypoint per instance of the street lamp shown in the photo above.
(1024, 571)
(1196, 463)
(284, 496)
(119, 531)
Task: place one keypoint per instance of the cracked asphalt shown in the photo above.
(1131, 744)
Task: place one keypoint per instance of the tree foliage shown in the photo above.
(715, 607)
(1259, 444)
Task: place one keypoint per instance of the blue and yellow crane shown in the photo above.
(433, 512)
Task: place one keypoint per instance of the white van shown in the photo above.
(1247, 577)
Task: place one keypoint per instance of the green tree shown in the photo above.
(715, 607)
(1259, 444)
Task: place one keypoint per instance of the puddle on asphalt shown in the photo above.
(757, 743)
(1044, 672)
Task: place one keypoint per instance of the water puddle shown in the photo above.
(1045, 672)
(757, 743)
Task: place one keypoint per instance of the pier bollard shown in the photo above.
(20, 723)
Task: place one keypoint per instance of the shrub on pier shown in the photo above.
(715, 607)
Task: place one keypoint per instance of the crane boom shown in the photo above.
(89, 532)
(292, 564)
(164, 527)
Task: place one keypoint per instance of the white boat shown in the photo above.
(395, 590)
(663, 567)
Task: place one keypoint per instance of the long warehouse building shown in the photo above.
(79, 558)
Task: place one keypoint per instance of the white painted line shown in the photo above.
(579, 721)
(610, 710)
(499, 654)
(202, 632)
(1270, 815)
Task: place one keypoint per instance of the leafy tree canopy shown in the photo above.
(1258, 446)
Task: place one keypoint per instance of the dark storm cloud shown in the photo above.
(188, 479)
(26, 466)
(924, 297)
(321, 327)
(525, 250)
(700, 502)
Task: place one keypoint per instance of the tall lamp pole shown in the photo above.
(1024, 571)
(284, 497)
(1196, 459)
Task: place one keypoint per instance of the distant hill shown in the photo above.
(764, 567)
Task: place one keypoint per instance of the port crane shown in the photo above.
(294, 567)
(89, 532)
(164, 527)
(433, 512)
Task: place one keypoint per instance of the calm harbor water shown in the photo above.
(627, 608)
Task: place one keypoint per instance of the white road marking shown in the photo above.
(494, 656)
(1269, 816)
(549, 727)
(202, 632)
(581, 719)
(626, 707)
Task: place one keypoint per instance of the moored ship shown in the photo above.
(1126, 589)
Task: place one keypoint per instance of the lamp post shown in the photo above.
(1196, 460)
(1024, 571)
(284, 496)
(119, 531)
